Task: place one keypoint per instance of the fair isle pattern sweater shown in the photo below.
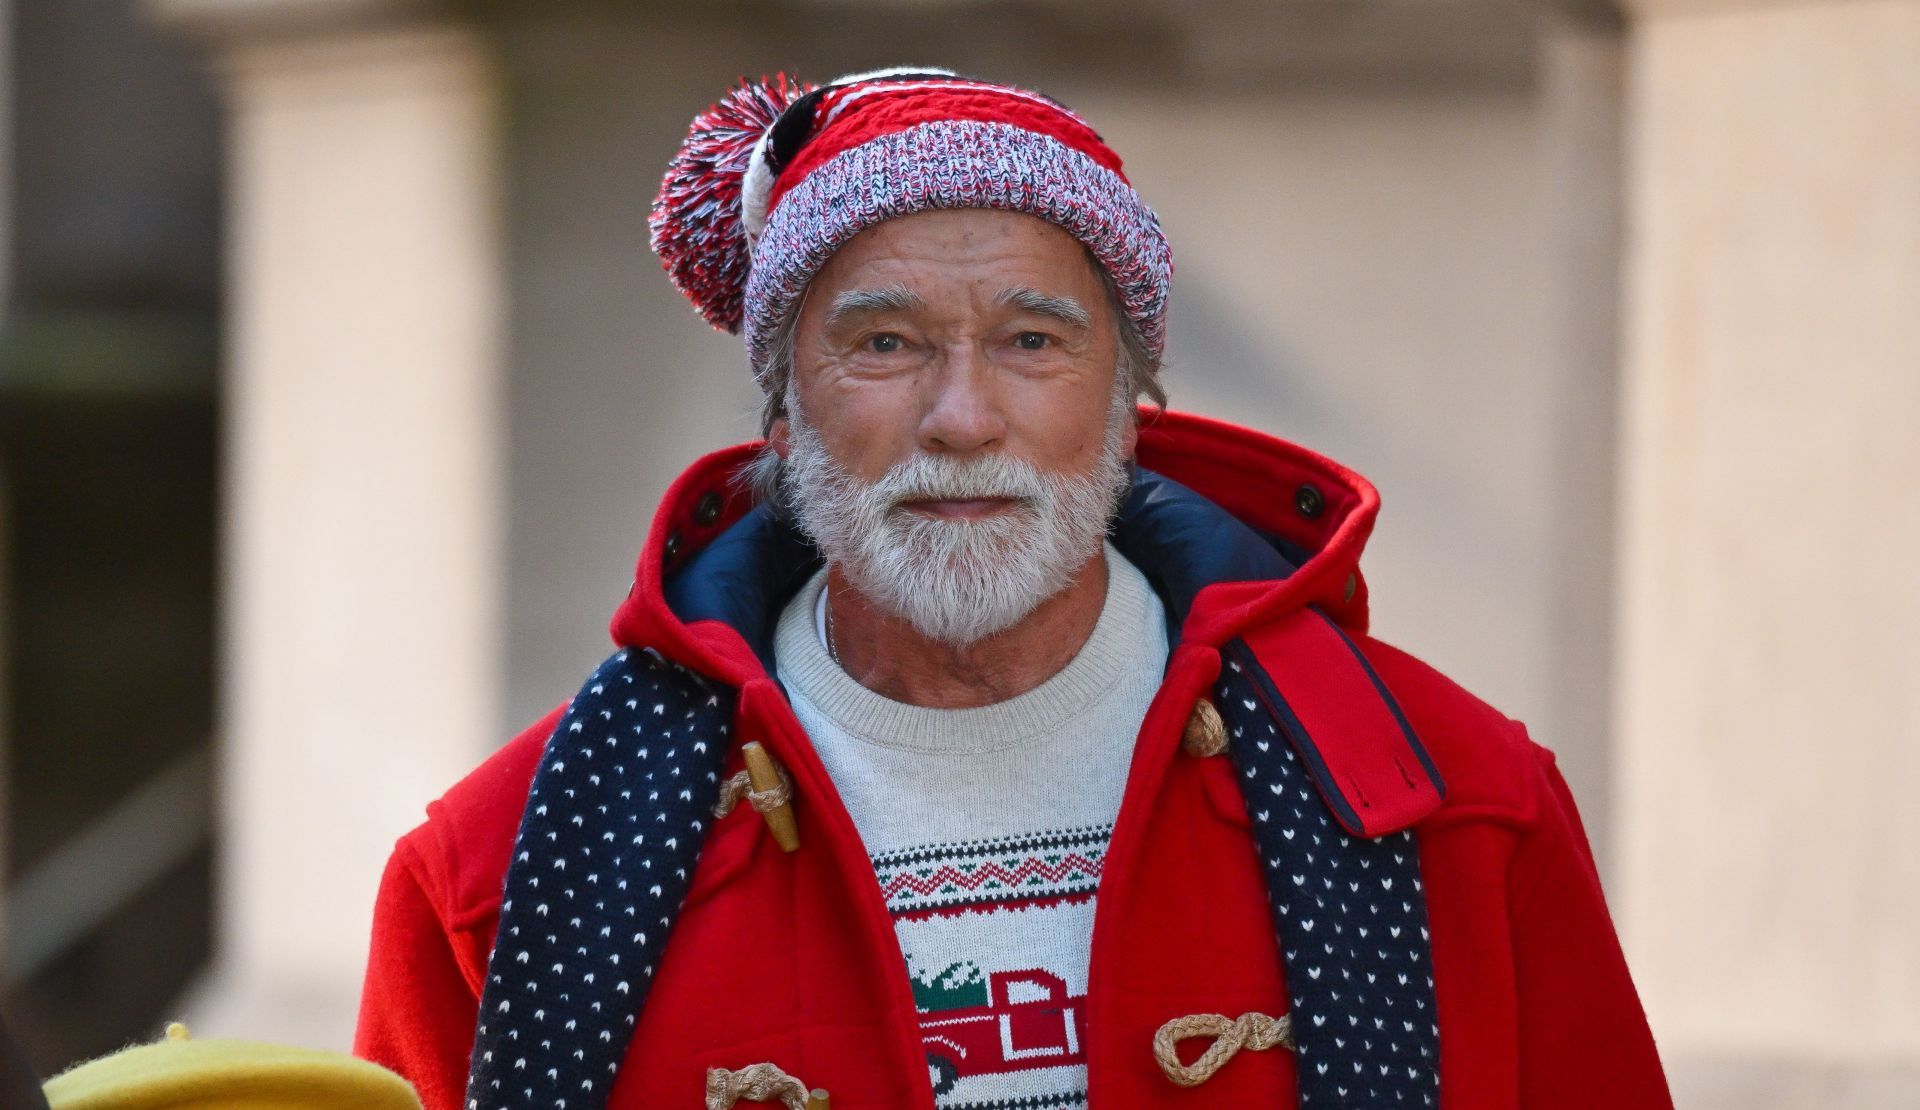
(987, 829)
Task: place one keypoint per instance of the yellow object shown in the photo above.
(180, 1073)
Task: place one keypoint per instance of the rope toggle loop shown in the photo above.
(1205, 733)
(763, 801)
(760, 1083)
(1251, 1031)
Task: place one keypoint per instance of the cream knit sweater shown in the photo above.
(987, 829)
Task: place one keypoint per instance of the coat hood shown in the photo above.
(1233, 527)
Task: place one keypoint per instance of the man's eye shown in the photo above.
(1030, 341)
(885, 343)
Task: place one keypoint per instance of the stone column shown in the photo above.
(1582, 64)
(1769, 663)
(363, 541)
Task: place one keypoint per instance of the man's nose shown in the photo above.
(963, 413)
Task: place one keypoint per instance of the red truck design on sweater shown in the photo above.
(1011, 1021)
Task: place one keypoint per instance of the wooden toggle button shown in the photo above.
(767, 779)
(765, 786)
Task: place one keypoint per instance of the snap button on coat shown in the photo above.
(707, 509)
(1309, 501)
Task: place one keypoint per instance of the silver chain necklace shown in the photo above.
(833, 649)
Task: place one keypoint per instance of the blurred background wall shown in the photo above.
(337, 385)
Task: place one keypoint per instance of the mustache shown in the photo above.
(946, 478)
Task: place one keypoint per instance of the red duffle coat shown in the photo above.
(791, 957)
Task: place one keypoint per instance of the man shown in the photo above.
(1052, 762)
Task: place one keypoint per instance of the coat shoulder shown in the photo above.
(465, 843)
(1491, 766)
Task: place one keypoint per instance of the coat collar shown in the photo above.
(1234, 528)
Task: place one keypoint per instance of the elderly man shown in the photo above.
(981, 740)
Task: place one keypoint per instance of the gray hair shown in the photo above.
(1136, 366)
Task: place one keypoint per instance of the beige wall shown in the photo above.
(1370, 277)
(1769, 702)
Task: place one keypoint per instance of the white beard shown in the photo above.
(956, 581)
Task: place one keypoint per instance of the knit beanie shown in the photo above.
(779, 174)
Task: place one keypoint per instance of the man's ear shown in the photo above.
(777, 437)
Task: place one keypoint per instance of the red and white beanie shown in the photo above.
(777, 176)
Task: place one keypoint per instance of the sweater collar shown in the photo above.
(1126, 640)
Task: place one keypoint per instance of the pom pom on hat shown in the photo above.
(699, 225)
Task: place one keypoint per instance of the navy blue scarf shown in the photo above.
(1350, 914)
(612, 829)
